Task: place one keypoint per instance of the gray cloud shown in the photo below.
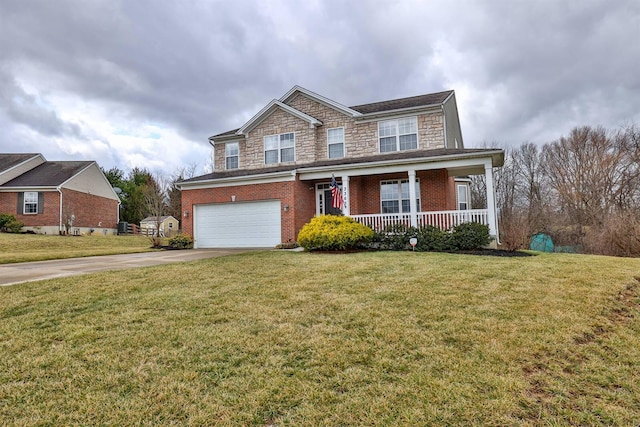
(523, 70)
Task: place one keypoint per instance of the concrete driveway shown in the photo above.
(10, 274)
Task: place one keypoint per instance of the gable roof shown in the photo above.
(10, 160)
(49, 174)
(153, 218)
(430, 99)
(357, 112)
(270, 108)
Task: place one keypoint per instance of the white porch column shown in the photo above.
(491, 200)
(346, 205)
(413, 209)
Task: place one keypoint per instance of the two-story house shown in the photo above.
(401, 160)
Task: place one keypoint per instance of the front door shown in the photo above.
(323, 200)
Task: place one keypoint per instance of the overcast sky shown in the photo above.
(145, 83)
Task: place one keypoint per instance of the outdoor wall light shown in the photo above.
(186, 214)
(233, 198)
(286, 208)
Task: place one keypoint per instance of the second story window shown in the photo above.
(335, 142)
(279, 148)
(232, 154)
(398, 134)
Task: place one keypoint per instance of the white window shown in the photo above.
(279, 148)
(30, 202)
(398, 135)
(232, 152)
(335, 141)
(394, 196)
(463, 200)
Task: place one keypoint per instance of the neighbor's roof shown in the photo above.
(49, 174)
(426, 100)
(9, 160)
(153, 218)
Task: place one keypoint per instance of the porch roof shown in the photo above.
(459, 161)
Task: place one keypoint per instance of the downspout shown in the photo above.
(60, 221)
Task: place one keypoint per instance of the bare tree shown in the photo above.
(155, 197)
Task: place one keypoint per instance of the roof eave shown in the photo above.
(321, 99)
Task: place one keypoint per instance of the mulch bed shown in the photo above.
(482, 252)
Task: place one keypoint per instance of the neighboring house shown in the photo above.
(168, 225)
(57, 197)
(395, 161)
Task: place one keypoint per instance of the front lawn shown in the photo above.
(285, 338)
(38, 247)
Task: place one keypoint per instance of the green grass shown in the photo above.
(37, 247)
(283, 338)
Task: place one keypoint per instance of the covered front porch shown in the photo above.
(441, 219)
(426, 189)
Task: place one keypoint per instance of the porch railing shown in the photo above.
(441, 219)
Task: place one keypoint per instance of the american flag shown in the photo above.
(336, 194)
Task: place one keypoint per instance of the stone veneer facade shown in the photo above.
(361, 139)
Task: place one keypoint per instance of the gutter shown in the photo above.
(59, 188)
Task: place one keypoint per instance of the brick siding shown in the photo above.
(89, 210)
(437, 192)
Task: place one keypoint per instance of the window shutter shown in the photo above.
(40, 202)
(20, 203)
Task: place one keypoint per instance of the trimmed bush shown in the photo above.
(10, 224)
(394, 237)
(332, 232)
(181, 241)
(465, 237)
(431, 238)
(469, 236)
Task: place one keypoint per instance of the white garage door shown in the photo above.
(237, 225)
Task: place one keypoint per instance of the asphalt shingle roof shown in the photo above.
(400, 155)
(390, 105)
(397, 104)
(9, 160)
(48, 174)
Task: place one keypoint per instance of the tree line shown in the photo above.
(582, 189)
(145, 194)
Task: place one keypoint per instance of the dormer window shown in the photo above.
(398, 134)
(279, 148)
(232, 154)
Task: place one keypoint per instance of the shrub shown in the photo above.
(181, 241)
(469, 236)
(10, 224)
(432, 238)
(394, 237)
(332, 232)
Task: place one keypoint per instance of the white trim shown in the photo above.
(264, 178)
(344, 145)
(402, 112)
(279, 149)
(452, 161)
(23, 189)
(321, 99)
(4, 171)
(24, 202)
(268, 110)
(397, 134)
(227, 156)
